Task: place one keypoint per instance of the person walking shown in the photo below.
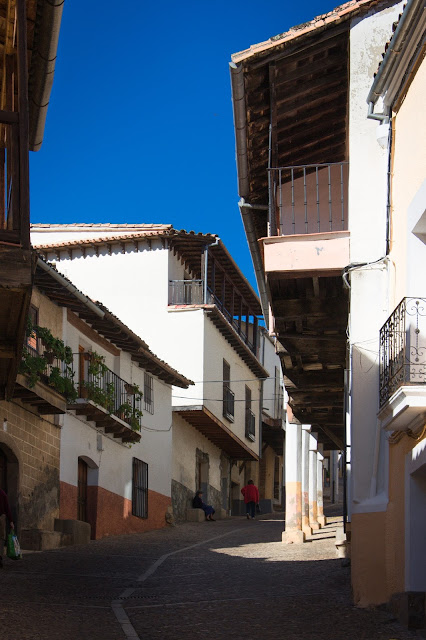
(4, 510)
(251, 498)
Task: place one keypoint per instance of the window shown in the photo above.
(228, 396)
(250, 418)
(32, 339)
(140, 489)
(148, 392)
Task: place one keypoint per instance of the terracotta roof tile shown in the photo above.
(339, 13)
(161, 231)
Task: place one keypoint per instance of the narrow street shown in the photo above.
(226, 579)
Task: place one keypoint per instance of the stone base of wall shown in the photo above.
(181, 500)
(110, 514)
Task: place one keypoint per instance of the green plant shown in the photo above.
(97, 366)
(130, 414)
(33, 366)
(103, 396)
(37, 366)
(53, 345)
(63, 384)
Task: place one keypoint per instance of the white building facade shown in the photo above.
(184, 293)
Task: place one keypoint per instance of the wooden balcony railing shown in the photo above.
(192, 292)
(310, 198)
(403, 348)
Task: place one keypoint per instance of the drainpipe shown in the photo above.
(42, 68)
(245, 209)
(71, 288)
(206, 254)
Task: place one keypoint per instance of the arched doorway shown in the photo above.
(9, 478)
(87, 492)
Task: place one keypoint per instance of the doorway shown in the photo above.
(82, 491)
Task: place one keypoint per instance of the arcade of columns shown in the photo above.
(304, 472)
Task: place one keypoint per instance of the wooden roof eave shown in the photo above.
(216, 431)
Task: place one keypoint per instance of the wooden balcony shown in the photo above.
(40, 397)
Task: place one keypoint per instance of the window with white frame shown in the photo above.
(148, 393)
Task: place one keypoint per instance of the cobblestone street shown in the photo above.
(226, 579)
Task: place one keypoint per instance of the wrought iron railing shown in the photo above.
(104, 387)
(40, 363)
(250, 424)
(228, 403)
(310, 198)
(403, 347)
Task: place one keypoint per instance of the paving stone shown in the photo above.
(230, 579)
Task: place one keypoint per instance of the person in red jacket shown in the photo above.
(251, 498)
(4, 509)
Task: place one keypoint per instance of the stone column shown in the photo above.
(293, 490)
(334, 476)
(320, 478)
(313, 486)
(305, 479)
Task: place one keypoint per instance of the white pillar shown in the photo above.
(313, 485)
(293, 488)
(320, 487)
(305, 479)
(334, 476)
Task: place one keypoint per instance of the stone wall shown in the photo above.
(181, 500)
(31, 444)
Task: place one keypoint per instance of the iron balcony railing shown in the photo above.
(228, 403)
(310, 198)
(403, 347)
(39, 363)
(250, 424)
(104, 387)
(187, 292)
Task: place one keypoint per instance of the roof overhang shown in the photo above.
(216, 431)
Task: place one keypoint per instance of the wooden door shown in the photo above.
(82, 491)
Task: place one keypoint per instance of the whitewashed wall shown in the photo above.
(367, 224)
(79, 437)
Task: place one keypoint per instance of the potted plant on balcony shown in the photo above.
(95, 388)
(36, 365)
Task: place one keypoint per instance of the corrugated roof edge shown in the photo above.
(341, 12)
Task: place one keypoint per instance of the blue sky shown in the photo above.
(139, 127)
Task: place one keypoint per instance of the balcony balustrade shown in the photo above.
(191, 292)
(307, 199)
(107, 399)
(45, 378)
(403, 348)
(250, 425)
